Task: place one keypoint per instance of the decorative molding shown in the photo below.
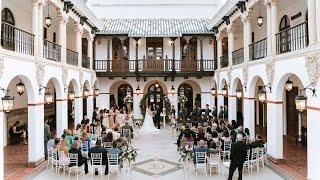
(40, 73)
(64, 76)
(81, 80)
(270, 69)
(229, 77)
(92, 80)
(218, 80)
(245, 73)
(313, 68)
(1, 66)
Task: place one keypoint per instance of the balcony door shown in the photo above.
(285, 36)
(188, 54)
(120, 55)
(7, 30)
(154, 60)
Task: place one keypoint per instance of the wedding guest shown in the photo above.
(115, 133)
(51, 143)
(77, 132)
(121, 142)
(47, 137)
(225, 137)
(63, 147)
(17, 134)
(258, 142)
(237, 157)
(201, 148)
(114, 149)
(248, 136)
(108, 137)
(105, 120)
(85, 119)
(81, 160)
(99, 149)
(69, 138)
(86, 139)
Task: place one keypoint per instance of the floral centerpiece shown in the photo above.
(128, 99)
(128, 154)
(137, 123)
(185, 150)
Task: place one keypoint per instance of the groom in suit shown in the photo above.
(157, 116)
(154, 109)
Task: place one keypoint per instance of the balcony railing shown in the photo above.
(258, 50)
(224, 61)
(85, 61)
(72, 57)
(51, 51)
(17, 40)
(292, 39)
(237, 56)
(153, 65)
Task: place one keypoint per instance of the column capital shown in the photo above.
(218, 36)
(62, 16)
(246, 16)
(89, 37)
(78, 28)
(38, 2)
(200, 38)
(230, 28)
(187, 38)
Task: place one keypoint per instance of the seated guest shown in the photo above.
(85, 120)
(86, 139)
(234, 124)
(116, 135)
(258, 142)
(215, 136)
(63, 147)
(56, 143)
(225, 137)
(114, 149)
(69, 139)
(121, 142)
(201, 134)
(51, 143)
(201, 148)
(108, 137)
(190, 139)
(81, 160)
(127, 126)
(99, 149)
(77, 131)
(248, 137)
(213, 147)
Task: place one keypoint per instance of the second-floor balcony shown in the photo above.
(154, 66)
(15, 39)
(51, 51)
(258, 50)
(85, 61)
(292, 39)
(237, 57)
(72, 57)
(224, 61)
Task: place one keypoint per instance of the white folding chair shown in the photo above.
(113, 161)
(226, 149)
(85, 148)
(201, 158)
(73, 160)
(50, 159)
(107, 145)
(55, 161)
(214, 162)
(263, 156)
(246, 163)
(63, 162)
(254, 158)
(96, 163)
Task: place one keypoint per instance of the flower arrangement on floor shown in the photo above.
(185, 150)
(128, 154)
(173, 124)
(137, 123)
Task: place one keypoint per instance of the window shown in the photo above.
(188, 50)
(54, 37)
(45, 33)
(284, 23)
(154, 48)
(7, 16)
(120, 50)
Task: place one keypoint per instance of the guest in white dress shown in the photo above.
(105, 120)
(115, 133)
(120, 119)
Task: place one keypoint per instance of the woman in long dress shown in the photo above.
(111, 118)
(148, 125)
(105, 120)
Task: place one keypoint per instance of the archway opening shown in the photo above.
(239, 104)
(123, 91)
(187, 90)
(86, 93)
(71, 106)
(50, 108)
(260, 111)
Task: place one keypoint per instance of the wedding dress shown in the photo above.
(148, 126)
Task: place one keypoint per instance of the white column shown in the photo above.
(230, 30)
(219, 49)
(232, 108)
(206, 98)
(90, 106)
(78, 114)
(248, 115)
(136, 106)
(312, 23)
(40, 29)
(269, 30)
(78, 29)
(274, 24)
(90, 50)
(62, 116)
(274, 129)
(62, 35)
(103, 101)
(318, 19)
(246, 36)
(2, 134)
(35, 134)
(35, 25)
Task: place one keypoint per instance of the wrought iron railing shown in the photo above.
(153, 65)
(51, 51)
(292, 39)
(237, 56)
(224, 61)
(258, 50)
(72, 57)
(85, 61)
(15, 39)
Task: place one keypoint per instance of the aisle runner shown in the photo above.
(155, 167)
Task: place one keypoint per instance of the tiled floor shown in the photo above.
(158, 151)
(16, 162)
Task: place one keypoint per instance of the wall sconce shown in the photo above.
(7, 101)
(20, 88)
(301, 100)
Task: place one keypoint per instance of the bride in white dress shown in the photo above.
(148, 126)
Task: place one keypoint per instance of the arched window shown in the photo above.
(284, 23)
(155, 91)
(7, 16)
(187, 90)
(123, 91)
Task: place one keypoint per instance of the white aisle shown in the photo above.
(158, 159)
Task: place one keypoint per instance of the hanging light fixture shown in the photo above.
(138, 90)
(48, 19)
(96, 91)
(20, 88)
(7, 101)
(173, 90)
(156, 85)
(224, 91)
(260, 18)
(289, 85)
(86, 92)
(71, 95)
(48, 97)
(213, 91)
(262, 94)
(239, 93)
(301, 102)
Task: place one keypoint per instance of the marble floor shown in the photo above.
(157, 159)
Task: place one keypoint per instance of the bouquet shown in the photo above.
(128, 99)
(173, 124)
(182, 99)
(185, 150)
(137, 123)
(128, 154)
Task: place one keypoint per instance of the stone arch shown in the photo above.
(161, 83)
(253, 84)
(75, 86)
(57, 86)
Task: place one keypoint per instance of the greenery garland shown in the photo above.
(163, 97)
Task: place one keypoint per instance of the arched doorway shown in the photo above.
(239, 97)
(71, 106)
(85, 95)
(187, 90)
(155, 92)
(50, 108)
(123, 91)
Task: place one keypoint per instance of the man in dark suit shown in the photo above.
(199, 113)
(95, 114)
(47, 137)
(158, 117)
(81, 160)
(104, 152)
(183, 115)
(207, 112)
(237, 157)
(193, 114)
(221, 113)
